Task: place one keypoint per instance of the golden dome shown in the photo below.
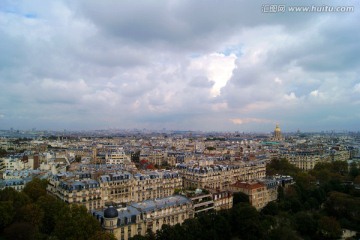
(277, 129)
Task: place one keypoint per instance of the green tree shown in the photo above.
(18, 199)
(208, 224)
(150, 235)
(101, 235)
(169, 232)
(74, 222)
(20, 231)
(271, 209)
(305, 224)
(354, 170)
(283, 233)
(222, 225)
(305, 181)
(35, 188)
(282, 167)
(3, 152)
(344, 206)
(138, 237)
(246, 222)
(31, 213)
(340, 167)
(329, 228)
(7, 213)
(51, 207)
(192, 229)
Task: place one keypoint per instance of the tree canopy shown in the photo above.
(32, 214)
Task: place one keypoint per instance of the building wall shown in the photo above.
(140, 217)
(221, 179)
(306, 161)
(259, 194)
(114, 190)
(90, 197)
(116, 158)
(222, 200)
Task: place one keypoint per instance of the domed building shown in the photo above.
(111, 212)
(137, 218)
(277, 134)
(110, 218)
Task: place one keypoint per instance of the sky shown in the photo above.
(211, 65)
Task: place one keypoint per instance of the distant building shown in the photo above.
(17, 184)
(306, 160)
(277, 134)
(118, 157)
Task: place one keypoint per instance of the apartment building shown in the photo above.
(222, 200)
(202, 203)
(219, 176)
(118, 157)
(17, 184)
(14, 163)
(156, 157)
(209, 200)
(256, 192)
(340, 155)
(137, 218)
(119, 187)
(85, 192)
(156, 184)
(306, 160)
(259, 193)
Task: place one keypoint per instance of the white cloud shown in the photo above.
(217, 67)
(290, 97)
(105, 97)
(357, 88)
(55, 85)
(315, 93)
(278, 80)
(239, 121)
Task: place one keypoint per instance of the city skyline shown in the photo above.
(181, 65)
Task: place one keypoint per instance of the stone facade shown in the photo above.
(137, 218)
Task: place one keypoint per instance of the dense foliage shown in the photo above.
(3, 152)
(318, 206)
(32, 214)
